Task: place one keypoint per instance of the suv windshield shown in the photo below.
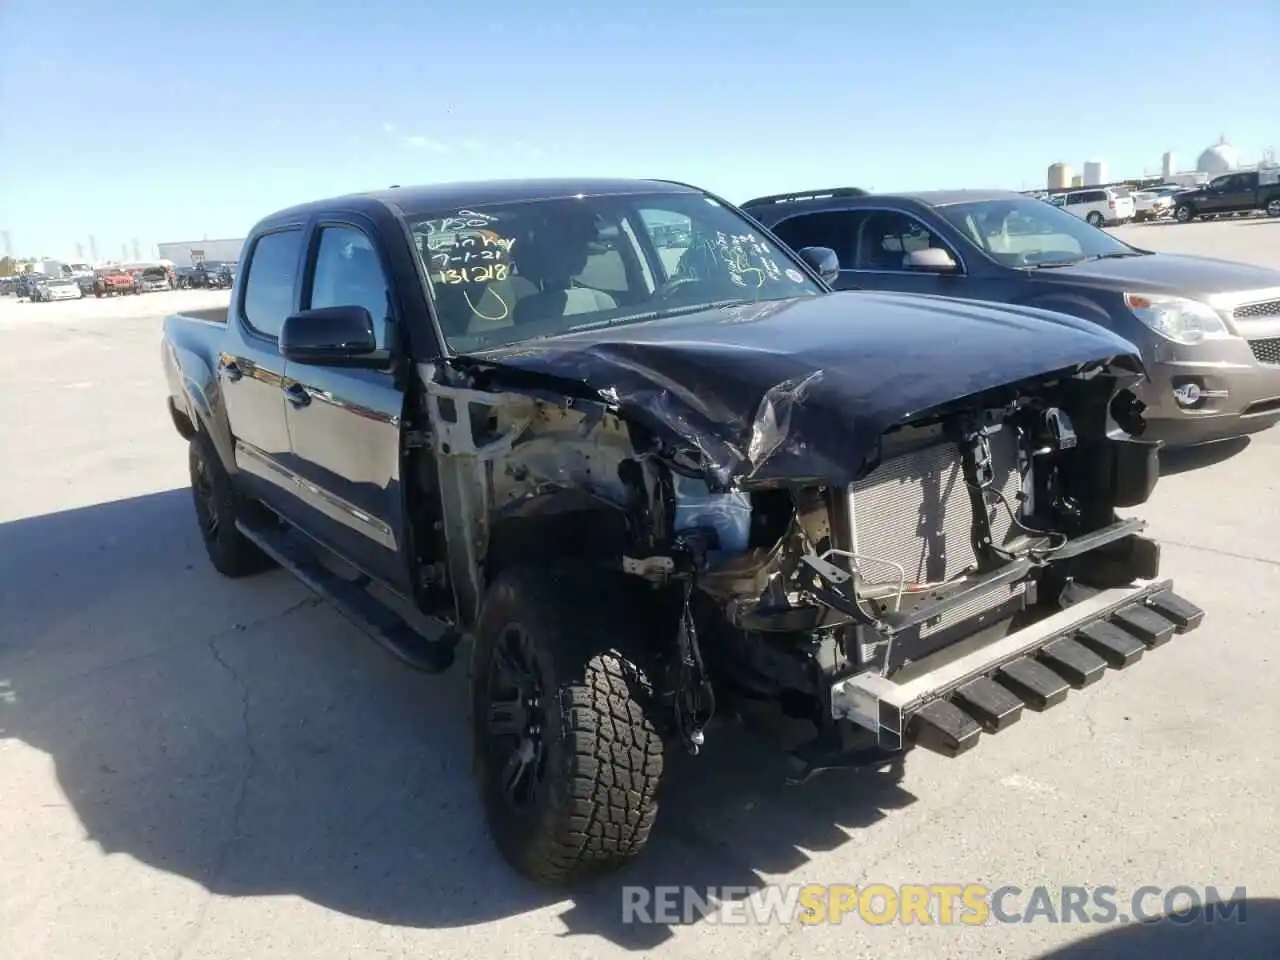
(509, 272)
(1028, 233)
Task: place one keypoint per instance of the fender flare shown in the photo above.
(195, 404)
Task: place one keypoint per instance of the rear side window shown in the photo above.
(831, 230)
(268, 287)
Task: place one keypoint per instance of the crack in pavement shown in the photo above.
(1222, 553)
(308, 601)
(250, 770)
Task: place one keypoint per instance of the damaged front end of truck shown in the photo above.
(865, 543)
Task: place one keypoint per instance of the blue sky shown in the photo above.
(170, 121)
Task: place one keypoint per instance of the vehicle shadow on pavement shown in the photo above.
(243, 736)
(1183, 459)
(1194, 935)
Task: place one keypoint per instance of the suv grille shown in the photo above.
(1267, 308)
(1266, 351)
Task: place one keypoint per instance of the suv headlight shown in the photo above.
(1177, 318)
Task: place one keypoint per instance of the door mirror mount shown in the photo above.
(332, 337)
(823, 261)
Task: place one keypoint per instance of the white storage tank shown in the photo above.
(1168, 166)
(1059, 176)
(1095, 173)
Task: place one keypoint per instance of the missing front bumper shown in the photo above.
(947, 707)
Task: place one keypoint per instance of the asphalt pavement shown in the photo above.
(197, 768)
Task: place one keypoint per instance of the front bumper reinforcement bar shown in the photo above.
(945, 703)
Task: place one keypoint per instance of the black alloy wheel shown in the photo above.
(517, 720)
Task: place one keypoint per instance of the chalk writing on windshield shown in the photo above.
(479, 274)
(462, 220)
(747, 259)
(479, 256)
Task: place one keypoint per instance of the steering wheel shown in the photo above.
(673, 286)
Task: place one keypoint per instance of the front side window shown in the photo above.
(348, 273)
(504, 273)
(886, 237)
(1024, 233)
(268, 289)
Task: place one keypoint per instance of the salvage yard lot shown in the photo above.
(196, 768)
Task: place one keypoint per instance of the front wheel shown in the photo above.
(1183, 213)
(1273, 207)
(218, 507)
(567, 748)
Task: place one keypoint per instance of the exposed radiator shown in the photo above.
(914, 510)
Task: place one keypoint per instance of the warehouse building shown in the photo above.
(187, 253)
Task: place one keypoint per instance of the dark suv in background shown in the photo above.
(1209, 330)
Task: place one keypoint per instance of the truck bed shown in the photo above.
(206, 315)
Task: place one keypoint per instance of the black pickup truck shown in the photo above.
(1242, 192)
(650, 467)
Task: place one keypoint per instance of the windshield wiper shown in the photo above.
(1119, 254)
(660, 314)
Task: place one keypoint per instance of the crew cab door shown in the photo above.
(344, 423)
(1226, 194)
(251, 370)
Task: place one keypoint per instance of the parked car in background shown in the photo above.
(213, 275)
(8, 286)
(113, 280)
(1209, 330)
(57, 288)
(654, 483)
(1149, 205)
(1241, 192)
(29, 283)
(154, 279)
(1098, 206)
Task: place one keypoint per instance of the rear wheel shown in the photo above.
(1273, 207)
(567, 750)
(218, 507)
(1094, 219)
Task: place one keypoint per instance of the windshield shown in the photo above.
(505, 273)
(1028, 233)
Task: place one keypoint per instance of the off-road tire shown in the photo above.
(217, 508)
(595, 805)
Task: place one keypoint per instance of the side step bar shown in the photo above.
(948, 707)
(351, 600)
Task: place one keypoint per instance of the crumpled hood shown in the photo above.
(1170, 273)
(802, 389)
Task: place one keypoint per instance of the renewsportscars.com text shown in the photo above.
(931, 904)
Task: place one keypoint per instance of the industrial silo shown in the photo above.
(1095, 173)
(1059, 176)
(1168, 166)
(1077, 181)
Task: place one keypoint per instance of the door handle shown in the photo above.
(231, 371)
(297, 394)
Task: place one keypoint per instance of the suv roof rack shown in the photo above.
(832, 192)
